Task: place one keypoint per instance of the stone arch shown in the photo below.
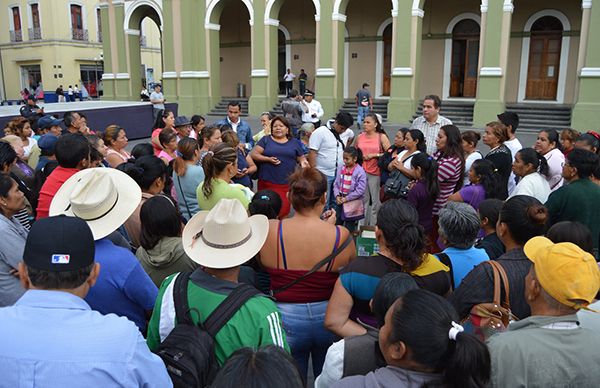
(140, 9)
(339, 7)
(215, 7)
(564, 54)
(379, 58)
(448, 47)
(274, 6)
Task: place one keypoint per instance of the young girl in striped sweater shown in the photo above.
(349, 188)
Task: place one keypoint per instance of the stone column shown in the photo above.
(122, 76)
(169, 75)
(494, 47)
(330, 58)
(108, 47)
(213, 62)
(586, 113)
(260, 32)
(406, 57)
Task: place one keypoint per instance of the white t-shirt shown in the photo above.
(347, 135)
(514, 146)
(468, 162)
(328, 150)
(157, 96)
(535, 185)
(407, 162)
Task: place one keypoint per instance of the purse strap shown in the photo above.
(184, 200)
(315, 268)
(500, 275)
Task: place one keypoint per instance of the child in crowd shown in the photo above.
(484, 184)
(489, 211)
(349, 188)
(425, 188)
(265, 202)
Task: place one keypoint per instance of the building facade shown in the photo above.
(489, 52)
(59, 42)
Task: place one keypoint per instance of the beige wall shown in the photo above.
(151, 54)
(55, 49)
(361, 69)
(236, 65)
(432, 67)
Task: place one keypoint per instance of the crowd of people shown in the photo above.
(217, 255)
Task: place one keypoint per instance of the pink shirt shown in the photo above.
(370, 145)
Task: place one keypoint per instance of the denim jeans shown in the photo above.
(362, 112)
(330, 203)
(306, 335)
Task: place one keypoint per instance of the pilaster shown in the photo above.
(260, 100)
(494, 47)
(122, 87)
(329, 55)
(108, 83)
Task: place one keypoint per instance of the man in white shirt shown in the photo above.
(288, 78)
(312, 109)
(326, 150)
(158, 100)
(511, 120)
(431, 121)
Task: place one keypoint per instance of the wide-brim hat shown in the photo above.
(102, 197)
(225, 236)
(181, 121)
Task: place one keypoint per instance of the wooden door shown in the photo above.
(387, 60)
(465, 57)
(544, 59)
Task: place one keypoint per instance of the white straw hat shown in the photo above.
(225, 236)
(102, 197)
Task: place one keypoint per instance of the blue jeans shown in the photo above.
(330, 203)
(306, 334)
(362, 112)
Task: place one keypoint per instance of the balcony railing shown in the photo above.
(35, 33)
(143, 41)
(16, 36)
(99, 36)
(79, 34)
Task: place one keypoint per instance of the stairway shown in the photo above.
(379, 106)
(536, 117)
(459, 112)
(221, 108)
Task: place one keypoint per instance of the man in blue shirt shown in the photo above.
(459, 226)
(51, 337)
(105, 198)
(242, 128)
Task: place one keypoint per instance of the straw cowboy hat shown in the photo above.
(225, 236)
(102, 197)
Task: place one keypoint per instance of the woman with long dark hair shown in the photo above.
(187, 176)
(425, 190)
(483, 184)
(165, 119)
(424, 346)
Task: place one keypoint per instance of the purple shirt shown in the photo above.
(287, 153)
(422, 201)
(473, 195)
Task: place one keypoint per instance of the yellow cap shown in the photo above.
(565, 271)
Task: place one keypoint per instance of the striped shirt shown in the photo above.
(430, 131)
(346, 180)
(449, 172)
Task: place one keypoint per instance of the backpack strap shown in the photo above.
(180, 297)
(184, 200)
(445, 259)
(505, 283)
(314, 269)
(223, 313)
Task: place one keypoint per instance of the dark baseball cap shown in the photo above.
(509, 118)
(59, 244)
(31, 97)
(181, 121)
(48, 142)
(48, 121)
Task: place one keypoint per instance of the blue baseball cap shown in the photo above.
(46, 122)
(48, 142)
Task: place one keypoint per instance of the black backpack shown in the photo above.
(189, 350)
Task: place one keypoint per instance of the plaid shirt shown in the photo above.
(478, 286)
(430, 131)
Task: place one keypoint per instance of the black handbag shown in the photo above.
(397, 185)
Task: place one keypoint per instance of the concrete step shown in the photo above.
(221, 108)
(541, 116)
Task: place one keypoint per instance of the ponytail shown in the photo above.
(537, 160)
(187, 148)
(489, 177)
(429, 170)
(426, 324)
(214, 162)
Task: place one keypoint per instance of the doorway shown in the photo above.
(387, 60)
(465, 57)
(31, 77)
(544, 59)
